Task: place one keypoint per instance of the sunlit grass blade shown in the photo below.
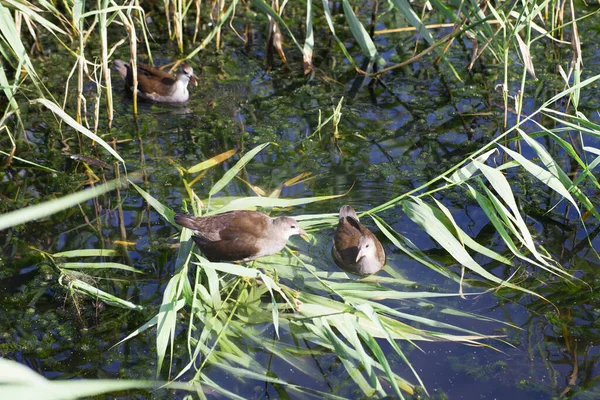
(231, 173)
(87, 253)
(12, 38)
(50, 207)
(362, 37)
(99, 265)
(213, 286)
(211, 162)
(409, 248)
(544, 176)
(234, 269)
(503, 189)
(36, 15)
(347, 360)
(348, 326)
(423, 215)
(368, 311)
(164, 211)
(330, 24)
(78, 127)
(382, 358)
(21, 382)
(166, 319)
(268, 202)
(498, 219)
(173, 300)
(466, 240)
(95, 293)
(465, 173)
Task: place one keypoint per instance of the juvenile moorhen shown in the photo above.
(355, 248)
(155, 84)
(241, 235)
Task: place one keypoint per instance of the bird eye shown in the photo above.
(293, 226)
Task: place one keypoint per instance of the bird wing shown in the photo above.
(238, 238)
(251, 226)
(345, 240)
(228, 250)
(150, 70)
(153, 80)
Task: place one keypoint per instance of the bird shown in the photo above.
(157, 85)
(355, 247)
(240, 235)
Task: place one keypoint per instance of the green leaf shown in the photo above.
(50, 207)
(362, 37)
(99, 265)
(78, 127)
(229, 175)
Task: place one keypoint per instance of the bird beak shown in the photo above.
(193, 80)
(304, 235)
(359, 255)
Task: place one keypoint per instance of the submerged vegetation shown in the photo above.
(212, 316)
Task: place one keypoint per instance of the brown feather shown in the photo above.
(346, 244)
(155, 84)
(239, 235)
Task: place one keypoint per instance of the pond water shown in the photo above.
(391, 140)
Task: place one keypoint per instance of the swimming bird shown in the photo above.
(155, 84)
(240, 235)
(355, 247)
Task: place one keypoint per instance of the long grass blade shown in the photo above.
(230, 174)
(50, 207)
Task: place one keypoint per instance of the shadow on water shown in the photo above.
(391, 140)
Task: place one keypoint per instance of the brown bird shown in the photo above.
(240, 235)
(155, 84)
(355, 248)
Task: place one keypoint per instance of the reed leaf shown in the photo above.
(50, 207)
(231, 173)
(95, 293)
(99, 265)
(78, 127)
(362, 37)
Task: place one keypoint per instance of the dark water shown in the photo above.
(393, 139)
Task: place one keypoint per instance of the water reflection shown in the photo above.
(417, 127)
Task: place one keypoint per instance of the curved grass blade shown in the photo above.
(20, 382)
(87, 253)
(99, 265)
(78, 127)
(229, 175)
(423, 216)
(544, 176)
(503, 189)
(269, 202)
(50, 207)
(95, 293)
(163, 210)
(329, 19)
(211, 162)
(347, 360)
(362, 37)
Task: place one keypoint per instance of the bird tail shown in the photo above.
(348, 211)
(187, 221)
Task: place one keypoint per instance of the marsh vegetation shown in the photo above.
(464, 134)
